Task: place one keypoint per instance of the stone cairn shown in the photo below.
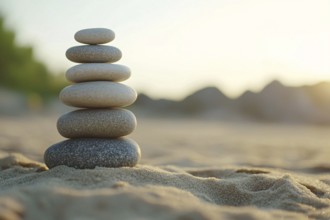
(96, 130)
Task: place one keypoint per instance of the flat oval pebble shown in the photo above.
(94, 36)
(88, 153)
(93, 54)
(98, 94)
(98, 72)
(96, 123)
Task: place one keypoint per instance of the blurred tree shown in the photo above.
(20, 71)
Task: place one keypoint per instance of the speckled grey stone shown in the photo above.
(87, 153)
(94, 36)
(98, 72)
(96, 123)
(93, 54)
(98, 94)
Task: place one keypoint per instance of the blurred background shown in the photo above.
(216, 61)
(265, 60)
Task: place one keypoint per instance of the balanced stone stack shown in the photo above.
(96, 130)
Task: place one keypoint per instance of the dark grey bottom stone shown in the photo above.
(87, 153)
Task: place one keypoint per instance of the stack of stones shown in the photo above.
(96, 130)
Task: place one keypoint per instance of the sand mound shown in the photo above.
(147, 192)
(15, 159)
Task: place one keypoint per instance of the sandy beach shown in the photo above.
(189, 169)
(230, 100)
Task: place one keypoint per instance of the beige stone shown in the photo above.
(93, 54)
(95, 36)
(96, 123)
(98, 94)
(98, 72)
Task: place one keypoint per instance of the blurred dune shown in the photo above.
(277, 102)
(274, 103)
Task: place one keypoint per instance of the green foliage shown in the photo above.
(20, 71)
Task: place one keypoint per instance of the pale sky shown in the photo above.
(174, 47)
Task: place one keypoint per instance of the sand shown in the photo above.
(189, 170)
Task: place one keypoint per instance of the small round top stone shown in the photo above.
(94, 36)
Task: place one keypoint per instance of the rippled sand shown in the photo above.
(189, 170)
